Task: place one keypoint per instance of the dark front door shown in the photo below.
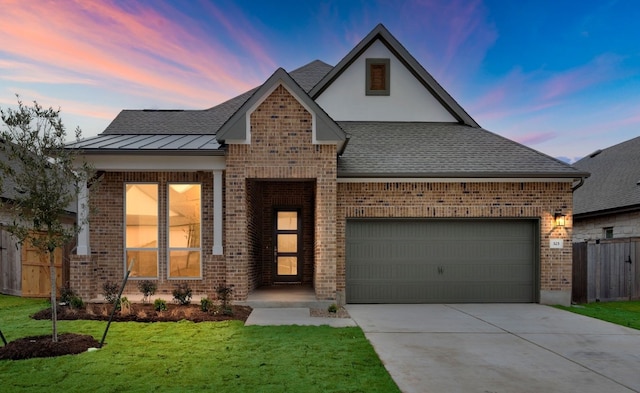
(287, 245)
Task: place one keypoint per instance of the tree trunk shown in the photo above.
(54, 308)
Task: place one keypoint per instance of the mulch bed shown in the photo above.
(71, 344)
(44, 347)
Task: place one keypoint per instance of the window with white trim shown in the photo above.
(141, 233)
(184, 224)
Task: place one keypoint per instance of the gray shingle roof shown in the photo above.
(208, 121)
(613, 184)
(394, 149)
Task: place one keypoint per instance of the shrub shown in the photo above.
(182, 294)
(148, 288)
(124, 305)
(110, 291)
(224, 295)
(160, 305)
(76, 302)
(206, 304)
(333, 308)
(67, 294)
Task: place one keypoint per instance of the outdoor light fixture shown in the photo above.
(559, 219)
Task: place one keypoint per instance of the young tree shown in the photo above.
(41, 179)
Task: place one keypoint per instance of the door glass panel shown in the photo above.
(288, 243)
(287, 266)
(287, 221)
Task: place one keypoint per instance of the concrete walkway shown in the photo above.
(500, 348)
(293, 316)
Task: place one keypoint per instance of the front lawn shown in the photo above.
(622, 313)
(186, 356)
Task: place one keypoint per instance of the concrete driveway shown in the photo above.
(500, 348)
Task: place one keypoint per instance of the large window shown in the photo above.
(184, 229)
(141, 236)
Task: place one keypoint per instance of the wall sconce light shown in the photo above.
(559, 219)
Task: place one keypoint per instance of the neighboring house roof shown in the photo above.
(9, 187)
(380, 32)
(397, 149)
(614, 184)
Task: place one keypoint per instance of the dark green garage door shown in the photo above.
(441, 261)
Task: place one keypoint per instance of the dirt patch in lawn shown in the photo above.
(44, 347)
(70, 344)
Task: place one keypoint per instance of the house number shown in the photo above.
(555, 243)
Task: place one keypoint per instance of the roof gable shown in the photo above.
(238, 128)
(381, 35)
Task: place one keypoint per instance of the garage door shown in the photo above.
(441, 261)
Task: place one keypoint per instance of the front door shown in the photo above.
(287, 250)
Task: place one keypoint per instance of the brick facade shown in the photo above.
(106, 232)
(281, 167)
(281, 149)
(468, 200)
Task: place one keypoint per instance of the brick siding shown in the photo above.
(106, 232)
(466, 200)
(281, 149)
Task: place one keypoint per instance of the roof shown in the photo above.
(395, 149)
(325, 129)
(150, 144)
(380, 32)
(376, 149)
(614, 180)
(207, 121)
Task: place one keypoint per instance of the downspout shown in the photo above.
(580, 183)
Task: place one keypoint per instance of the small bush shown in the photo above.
(206, 304)
(148, 289)
(182, 294)
(76, 302)
(67, 294)
(333, 308)
(224, 295)
(124, 305)
(110, 291)
(160, 305)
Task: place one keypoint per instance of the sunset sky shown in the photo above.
(560, 76)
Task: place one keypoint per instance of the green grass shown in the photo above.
(621, 313)
(186, 356)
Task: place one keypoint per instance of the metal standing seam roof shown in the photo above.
(614, 182)
(149, 143)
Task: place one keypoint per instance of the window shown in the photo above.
(141, 234)
(377, 80)
(608, 232)
(184, 230)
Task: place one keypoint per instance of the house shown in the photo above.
(24, 270)
(608, 204)
(365, 180)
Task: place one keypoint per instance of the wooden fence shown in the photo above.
(606, 270)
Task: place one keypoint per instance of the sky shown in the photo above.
(559, 76)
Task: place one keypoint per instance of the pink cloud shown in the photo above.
(534, 138)
(134, 50)
(600, 69)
